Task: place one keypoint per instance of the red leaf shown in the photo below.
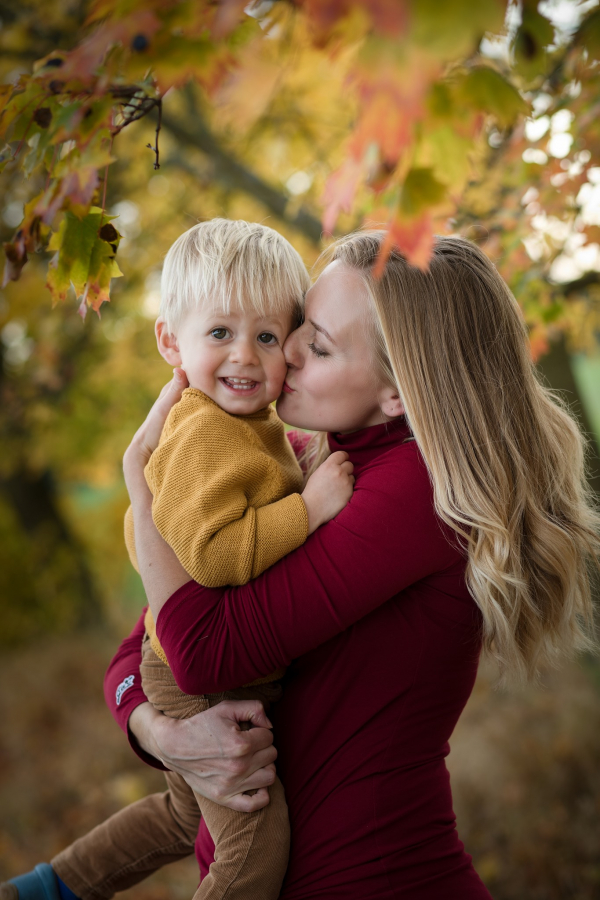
(340, 191)
(227, 15)
(412, 237)
(82, 62)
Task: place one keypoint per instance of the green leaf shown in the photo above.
(486, 90)
(589, 34)
(446, 152)
(453, 29)
(83, 258)
(530, 43)
(421, 190)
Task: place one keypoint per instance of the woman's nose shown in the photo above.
(292, 350)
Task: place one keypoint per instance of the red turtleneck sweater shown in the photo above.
(373, 618)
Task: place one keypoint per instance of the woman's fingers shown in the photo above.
(219, 759)
(249, 802)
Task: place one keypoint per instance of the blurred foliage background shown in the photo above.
(72, 392)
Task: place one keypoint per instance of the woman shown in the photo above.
(469, 527)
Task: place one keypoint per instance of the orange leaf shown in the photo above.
(82, 62)
(412, 237)
(340, 191)
(389, 17)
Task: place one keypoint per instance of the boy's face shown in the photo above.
(235, 358)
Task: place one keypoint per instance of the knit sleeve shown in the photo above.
(130, 539)
(199, 477)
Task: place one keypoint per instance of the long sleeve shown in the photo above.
(130, 539)
(123, 686)
(220, 501)
(385, 540)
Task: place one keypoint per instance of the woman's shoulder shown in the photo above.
(400, 466)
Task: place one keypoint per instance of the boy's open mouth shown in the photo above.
(240, 385)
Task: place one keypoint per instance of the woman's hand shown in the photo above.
(146, 438)
(212, 753)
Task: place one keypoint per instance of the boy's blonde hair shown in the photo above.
(223, 262)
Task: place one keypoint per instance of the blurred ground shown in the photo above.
(524, 766)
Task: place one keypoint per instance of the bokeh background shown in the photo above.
(525, 770)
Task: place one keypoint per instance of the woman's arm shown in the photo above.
(386, 539)
(212, 753)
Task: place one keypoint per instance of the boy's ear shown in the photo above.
(390, 403)
(167, 343)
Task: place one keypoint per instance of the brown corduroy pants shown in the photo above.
(251, 849)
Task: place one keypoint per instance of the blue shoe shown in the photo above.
(39, 884)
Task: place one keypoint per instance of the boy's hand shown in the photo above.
(328, 489)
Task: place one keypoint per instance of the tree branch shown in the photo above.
(232, 173)
(579, 284)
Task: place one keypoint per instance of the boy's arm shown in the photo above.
(130, 539)
(199, 477)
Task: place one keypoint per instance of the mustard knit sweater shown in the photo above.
(225, 494)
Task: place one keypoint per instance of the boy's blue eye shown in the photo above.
(219, 333)
(267, 338)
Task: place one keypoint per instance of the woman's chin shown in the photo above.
(286, 412)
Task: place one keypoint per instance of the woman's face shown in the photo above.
(332, 382)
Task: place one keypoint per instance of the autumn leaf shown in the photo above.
(31, 235)
(531, 40)
(485, 89)
(84, 258)
(340, 192)
(412, 236)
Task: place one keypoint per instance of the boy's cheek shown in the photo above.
(276, 377)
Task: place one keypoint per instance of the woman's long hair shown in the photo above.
(505, 456)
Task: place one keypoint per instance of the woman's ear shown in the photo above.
(390, 403)
(167, 343)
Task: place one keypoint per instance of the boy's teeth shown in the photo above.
(240, 384)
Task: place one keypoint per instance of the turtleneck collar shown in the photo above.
(364, 445)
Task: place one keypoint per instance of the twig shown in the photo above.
(157, 132)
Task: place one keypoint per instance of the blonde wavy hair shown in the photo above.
(505, 456)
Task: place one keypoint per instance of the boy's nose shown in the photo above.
(243, 353)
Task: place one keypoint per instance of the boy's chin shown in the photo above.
(243, 406)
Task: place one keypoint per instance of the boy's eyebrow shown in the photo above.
(322, 330)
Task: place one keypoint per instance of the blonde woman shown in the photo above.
(469, 529)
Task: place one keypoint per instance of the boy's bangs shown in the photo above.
(233, 265)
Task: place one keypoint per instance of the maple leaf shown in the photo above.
(31, 235)
(85, 258)
(75, 192)
(340, 191)
(246, 92)
(412, 236)
(83, 62)
(485, 89)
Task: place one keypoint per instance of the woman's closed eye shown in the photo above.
(317, 350)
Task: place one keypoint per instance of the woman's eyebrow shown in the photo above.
(322, 330)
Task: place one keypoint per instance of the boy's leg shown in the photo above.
(251, 849)
(132, 844)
